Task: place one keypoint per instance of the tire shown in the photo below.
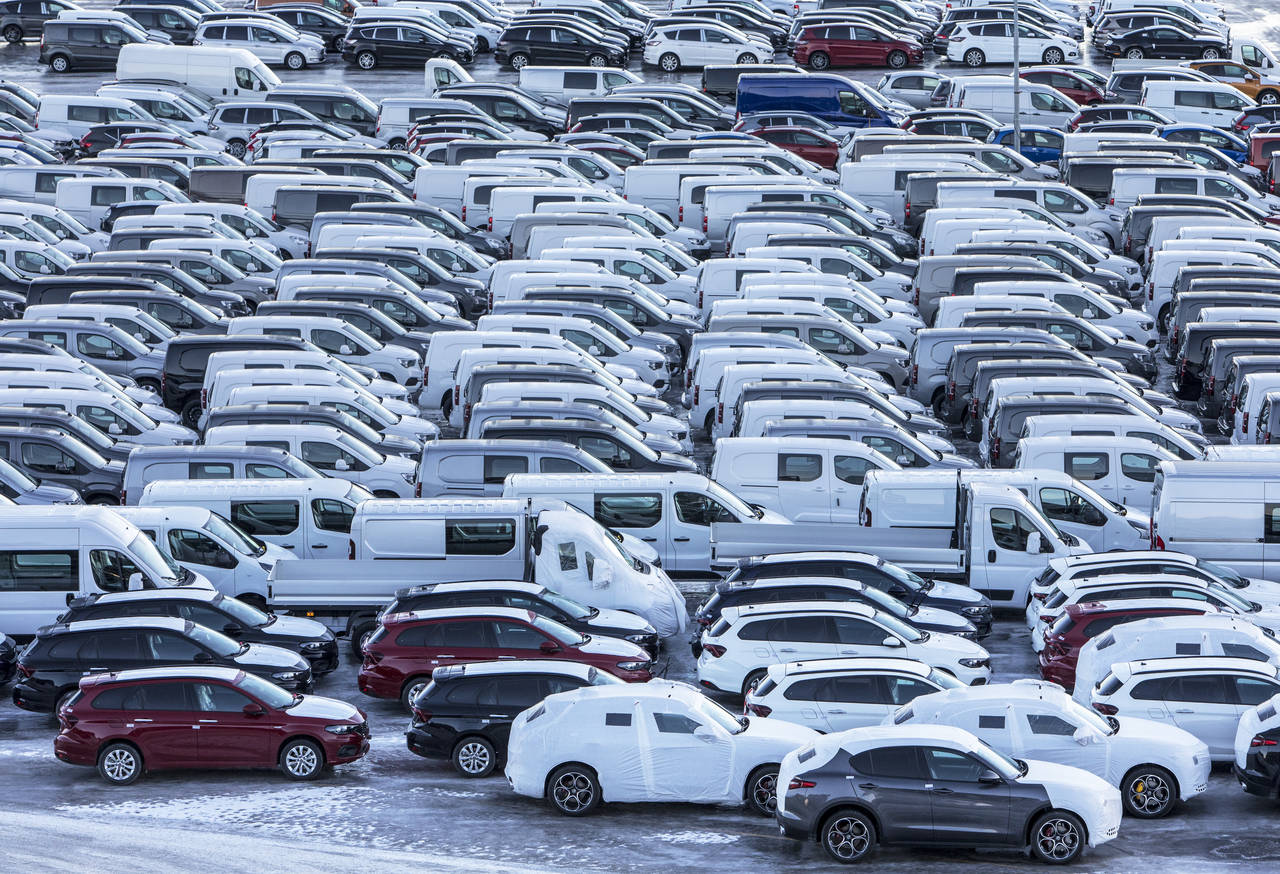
(753, 679)
(359, 634)
(120, 764)
(102, 499)
(747, 58)
(1269, 98)
(397, 144)
(669, 62)
(335, 44)
(482, 45)
(366, 60)
(236, 149)
(1149, 792)
(1134, 53)
(1211, 54)
(819, 60)
(13, 34)
(762, 791)
(573, 790)
(1057, 838)
(63, 699)
(1052, 56)
(597, 61)
(301, 759)
(295, 61)
(474, 757)
(412, 687)
(975, 57)
(848, 836)
(897, 59)
(59, 63)
(519, 61)
(149, 383)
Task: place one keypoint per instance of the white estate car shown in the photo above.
(1155, 766)
(657, 741)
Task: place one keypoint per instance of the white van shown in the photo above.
(260, 188)
(1248, 406)
(1102, 424)
(1128, 184)
(39, 183)
(1163, 268)
(220, 384)
(442, 185)
(562, 84)
(56, 553)
(446, 349)
(397, 364)
(1038, 104)
(355, 375)
(880, 181)
(708, 367)
(237, 565)
(1121, 469)
(309, 517)
(806, 480)
(721, 278)
(952, 310)
(217, 72)
(70, 116)
(1213, 103)
(88, 199)
(511, 201)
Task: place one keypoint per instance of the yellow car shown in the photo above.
(1246, 79)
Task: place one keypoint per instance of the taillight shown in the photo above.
(720, 413)
(421, 715)
(1159, 544)
(951, 390)
(491, 224)
(995, 449)
(204, 398)
(759, 710)
(457, 394)
(417, 492)
(464, 212)
(908, 209)
(371, 658)
(351, 549)
(704, 226)
(24, 670)
(680, 213)
(1106, 709)
(797, 783)
(866, 518)
(915, 373)
(1262, 741)
(1040, 596)
(1244, 422)
(697, 394)
(714, 650)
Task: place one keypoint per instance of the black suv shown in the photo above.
(84, 45)
(218, 612)
(521, 45)
(61, 655)
(8, 658)
(21, 19)
(187, 358)
(465, 713)
(399, 44)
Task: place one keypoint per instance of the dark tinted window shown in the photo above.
(331, 515)
(43, 571)
(901, 762)
(480, 537)
(628, 511)
(498, 467)
(266, 518)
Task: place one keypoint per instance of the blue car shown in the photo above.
(1230, 145)
(1040, 144)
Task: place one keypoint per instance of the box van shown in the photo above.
(1213, 103)
(217, 72)
(831, 98)
(562, 84)
(479, 468)
(672, 511)
(55, 554)
(148, 463)
(1037, 104)
(808, 480)
(309, 517)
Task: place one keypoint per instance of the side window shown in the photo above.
(480, 537)
(111, 569)
(1086, 466)
(674, 723)
(209, 470)
(266, 518)
(796, 468)
(517, 635)
(107, 195)
(628, 511)
(953, 766)
(1011, 530)
(809, 629)
(1203, 689)
(851, 469)
(568, 554)
(859, 690)
(1251, 692)
(697, 509)
(332, 515)
(217, 698)
(1045, 723)
(266, 471)
(904, 690)
(498, 467)
(42, 458)
(1066, 506)
(900, 762)
(856, 631)
(43, 571)
(1139, 466)
(198, 548)
(560, 465)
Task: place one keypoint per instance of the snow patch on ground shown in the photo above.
(693, 837)
(310, 802)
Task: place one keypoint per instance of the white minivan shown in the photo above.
(1121, 469)
(1189, 102)
(1037, 104)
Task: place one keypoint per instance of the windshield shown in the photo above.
(153, 562)
(906, 577)
(15, 478)
(944, 680)
(1090, 717)
(360, 449)
(731, 501)
(246, 613)
(219, 643)
(568, 605)
(1241, 604)
(900, 628)
(886, 602)
(1226, 574)
(268, 693)
(229, 534)
(1006, 765)
(562, 633)
(720, 716)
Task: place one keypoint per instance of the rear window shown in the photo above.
(765, 686)
(1109, 685)
(1063, 624)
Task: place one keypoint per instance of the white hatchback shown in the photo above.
(697, 44)
(978, 43)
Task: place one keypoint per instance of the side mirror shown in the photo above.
(704, 734)
(989, 778)
(44, 269)
(857, 316)
(548, 647)
(253, 711)
(594, 350)
(1033, 543)
(891, 642)
(344, 349)
(202, 657)
(341, 464)
(231, 629)
(141, 338)
(1083, 735)
(903, 461)
(1088, 313)
(114, 428)
(844, 349)
(135, 582)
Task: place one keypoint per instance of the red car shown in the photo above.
(1078, 88)
(402, 653)
(1082, 622)
(810, 145)
(854, 45)
(157, 719)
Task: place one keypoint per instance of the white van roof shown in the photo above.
(162, 492)
(441, 506)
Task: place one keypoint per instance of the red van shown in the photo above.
(156, 719)
(402, 653)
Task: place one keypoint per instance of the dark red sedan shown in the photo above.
(1075, 86)
(407, 647)
(854, 45)
(810, 145)
(156, 719)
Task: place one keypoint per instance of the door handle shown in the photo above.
(1184, 711)
(786, 650)
(840, 712)
(649, 539)
(446, 655)
(288, 545)
(868, 786)
(991, 556)
(943, 791)
(319, 546)
(142, 720)
(502, 658)
(680, 539)
(208, 721)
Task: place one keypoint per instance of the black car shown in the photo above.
(8, 658)
(108, 136)
(442, 222)
(1255, 116)
(521, 45)
(1166, 42)
(465, 713)
(399, 44)
(529, 596)
(312, 18)
(61, 655)
(187, 358)
(216, 611)
(180, 24)
(84, 44)
(889, 578)
(24, 19)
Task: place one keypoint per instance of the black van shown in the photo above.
(297, 205)
(336, 104)
(187, 359)
(175, 310)
(581, 107)
(104, 275)
(84, 45)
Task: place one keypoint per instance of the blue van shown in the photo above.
(831, 98)
(1040, 144)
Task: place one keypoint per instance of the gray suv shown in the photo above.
(53, 457)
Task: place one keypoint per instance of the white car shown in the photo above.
(1168, 636)
(838, 694)
(1155, 766)
(658, 741)
(1205, 696)
(698, 44)
(273, 42)
(977, 43)
(738, 649)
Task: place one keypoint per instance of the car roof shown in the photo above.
(470, 586)
(1023, 690)
(784, 608)
(458, 613)
(160, 622)
(1137, 605)
(853, 665)
(517, 666)
(1187, 664)
(174, 672)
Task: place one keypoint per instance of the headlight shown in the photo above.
(342, 729)
(633, 666)
(313, 645)
(408, 477)
(975, 663)
(286, 675)
(656, 365)
(967, 635)
(638, 639)
(976, 611)
(406, 362)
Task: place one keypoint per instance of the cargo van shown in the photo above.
(148, 463)
(88, 199)
(1121, 469)
(217, 72)
(562, 84)
(1213, 103)
(832, 98)
(1037, 103)
(479, 468)
(1170, 439)
(309, 517)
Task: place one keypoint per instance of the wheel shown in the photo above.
(848, 836)
(1149, 792)
(335, 44)
(1269, 98)
(397, 144)
(975, 57)
(1210, 54)
(669, 62)
(1057, 837)
(897, 59)
(13, 34)
(819, 60)
(149, 384)
(412, 688)
(102, 500)
(301, 759)
(236, 149)
(360, 635)
(1052, 55)
(366, 60)
(63, 699)
(1134, 53)
(573, 790)
(295, 61)
(762, 790)
(753, 679)
(747, 58)
(59, 63)
(519, 61)
(597, 61)
(120, 764)
(482, 45)
(474, 757)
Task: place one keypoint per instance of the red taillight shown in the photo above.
(908, 209)
(491, 224)
(720, 413)
(951, 390)
(797, 783)
(915, 373)
(1106, 709)
(1040, 596)
(995, 449)
(421, 715)
(24, 670)
(457, 394)
(759, 710)
(697, 394)
(704, 226)
(417, 492)
(464, 212)
(351, 550)
(680, 213)
(371, 658)
(714, 650)
(1261, 741)
(204, 398)
(1159, 544)
(1244, 422)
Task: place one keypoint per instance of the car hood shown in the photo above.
(621, 620)
(786, 735)
(1138, 735)
(398, 464)
(316, 707)
(297, 626)
(955, 592)
(276, 658)
(612, 646)
(1069, 787)
(938, 618)
(950, 646)
(48, 493)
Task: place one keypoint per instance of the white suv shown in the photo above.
(738, 649)
(1205, 696)
(837, 694)
(978, 43)
(699, 43)
(1154, 765)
